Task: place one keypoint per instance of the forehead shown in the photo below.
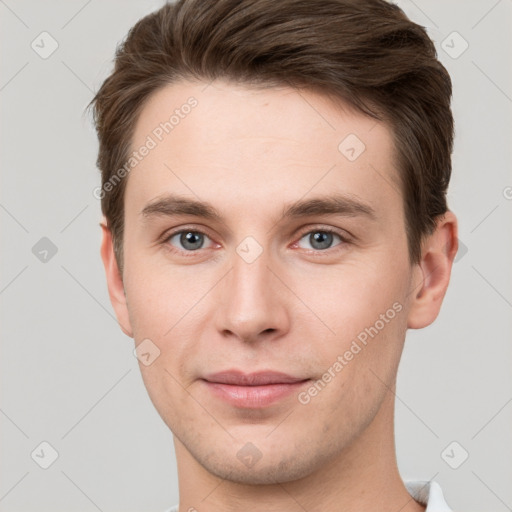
(232, 142)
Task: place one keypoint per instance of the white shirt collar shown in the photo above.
(429, 494)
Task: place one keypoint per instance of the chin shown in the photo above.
(268, 470)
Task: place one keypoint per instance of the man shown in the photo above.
(274, 180)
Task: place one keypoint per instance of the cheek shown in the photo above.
(360, 320)
(159, 295)
(349, 297)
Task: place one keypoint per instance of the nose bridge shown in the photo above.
(250, 279)
(250, 303)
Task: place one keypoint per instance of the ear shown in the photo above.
(114, 281)
(432, 273)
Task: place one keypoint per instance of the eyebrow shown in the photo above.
(335, 204)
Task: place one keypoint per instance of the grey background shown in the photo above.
(68, 374)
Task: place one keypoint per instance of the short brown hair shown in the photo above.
(366, 53)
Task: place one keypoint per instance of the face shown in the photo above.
(264, 232)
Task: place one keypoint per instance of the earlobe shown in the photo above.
(432, 274)
(114, 281)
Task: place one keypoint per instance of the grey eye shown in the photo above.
(319, 240)
(189, 240)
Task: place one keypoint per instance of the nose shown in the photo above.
(251, 301)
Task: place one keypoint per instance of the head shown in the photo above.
(232, 134)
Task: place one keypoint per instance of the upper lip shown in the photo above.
(239, 378)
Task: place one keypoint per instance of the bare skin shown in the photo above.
(299, 305)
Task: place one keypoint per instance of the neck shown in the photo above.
(363, 477)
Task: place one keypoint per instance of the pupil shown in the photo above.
(191, 240)
(321, 240)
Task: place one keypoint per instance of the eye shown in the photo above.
(320, 239)
(188, 240)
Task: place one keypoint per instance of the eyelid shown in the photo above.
(344, 235)
(192, 228)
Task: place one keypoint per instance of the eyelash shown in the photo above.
(344, 240)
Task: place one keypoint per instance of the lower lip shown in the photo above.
(254, 397)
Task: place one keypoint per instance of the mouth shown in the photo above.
(252, 390)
